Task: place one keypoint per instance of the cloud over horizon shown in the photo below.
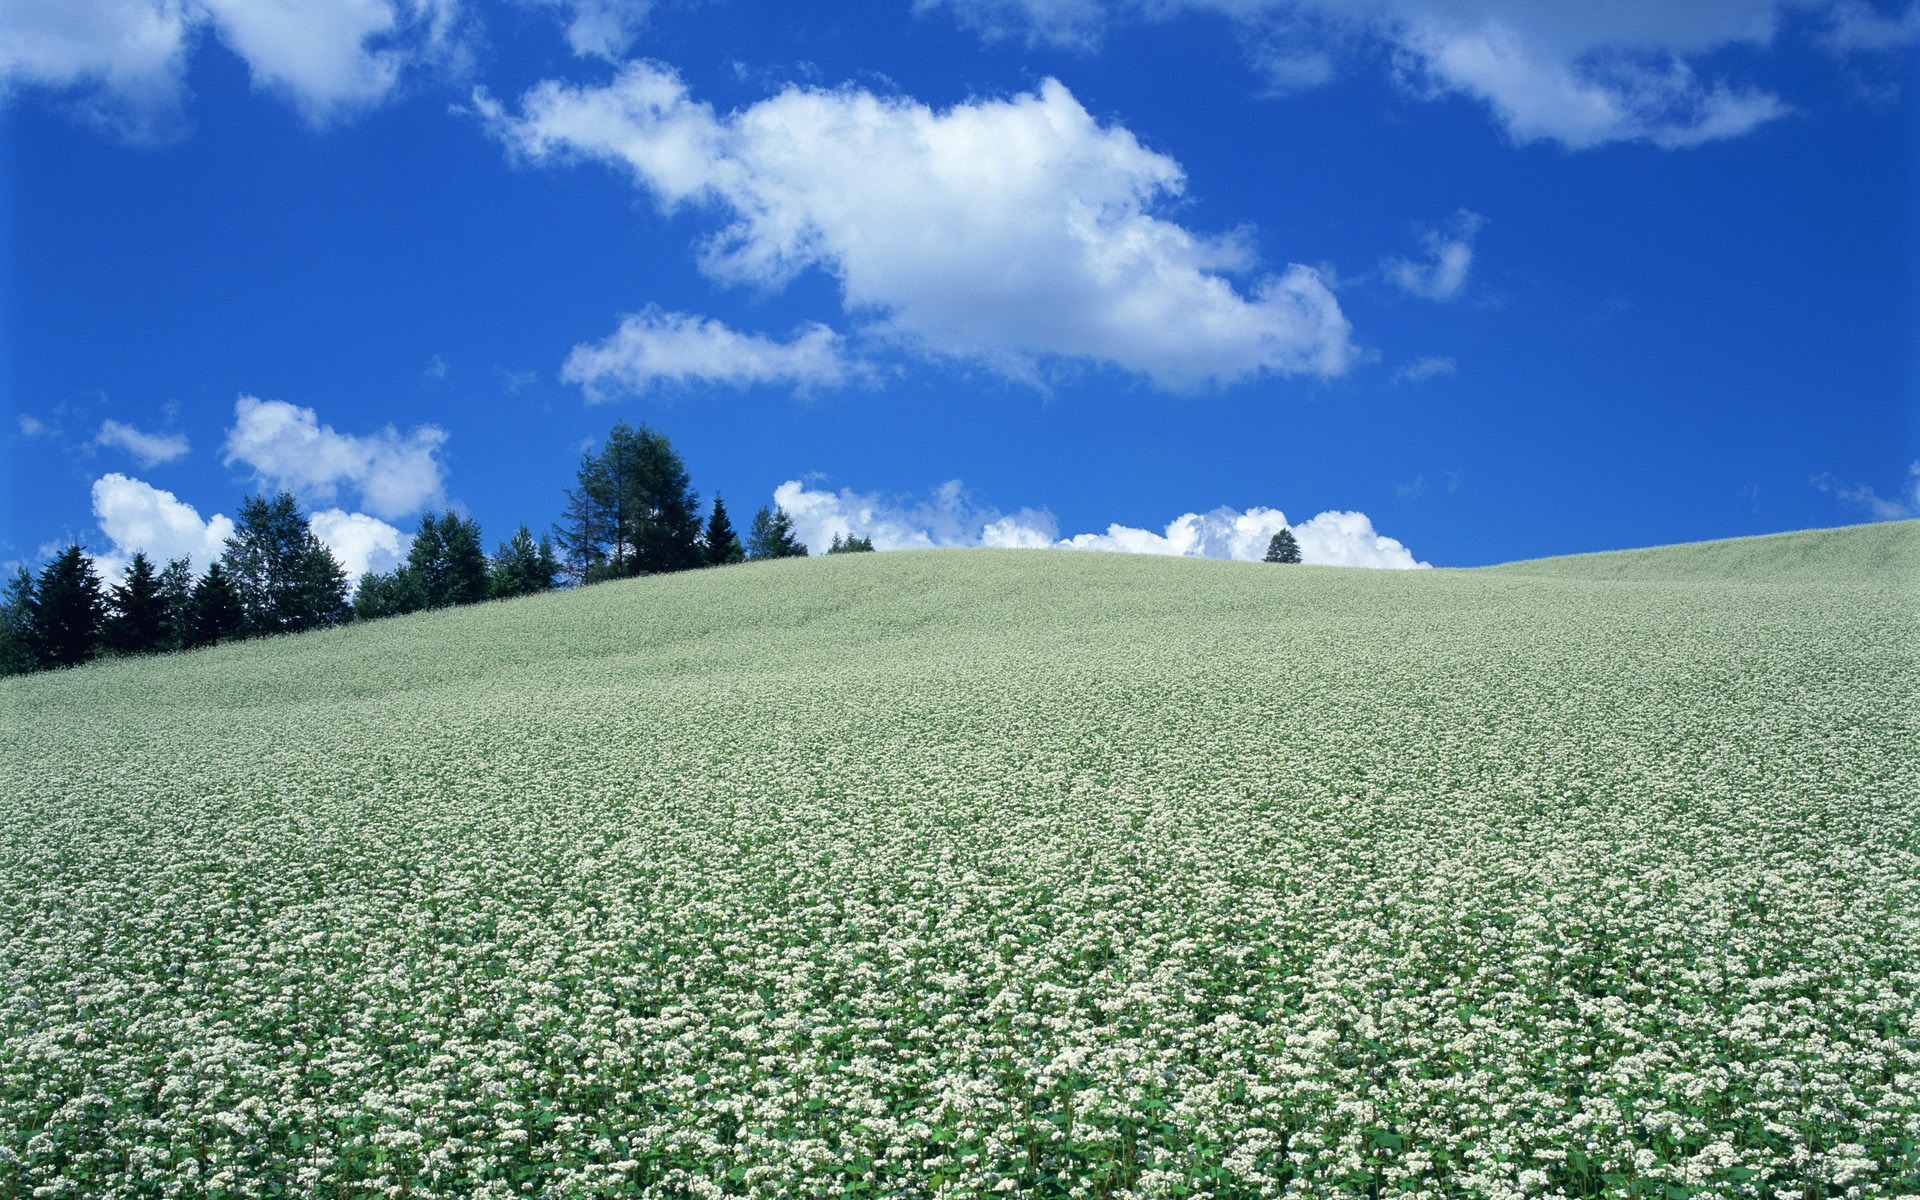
(950, 517)
(286, 446)
(654, 348)
(1048, 250)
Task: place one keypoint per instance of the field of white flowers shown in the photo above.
(970, 872)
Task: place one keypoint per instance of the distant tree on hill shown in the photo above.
(853, 545)
(67, 610)
(1282, 548)
(633, 510)
(16, 625)
(176, 603)
(445, 565)
(771, 536)
(285, 577)
(137, 612)
(722, 544)
(521, 568)
(384, 594)
(216, 614)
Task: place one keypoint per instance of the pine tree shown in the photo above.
(284, 576)
(384, 594)
(217, 614)
(1282, 548)
(722, 545)
(424, 577)
(16, 625)
(67, 610)
(771, 536)
(137, 616)
(176, 603)
(520, 568)
(852, 545)
(582, 529)
(466, 563)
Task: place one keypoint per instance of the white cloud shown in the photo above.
(1578, 74)
(126, 59)
(360, 543)
(1422, 369)
(287, 447)
(1899, 507)
(1857, 27)
(150, 448)
(602, 28)
(31, 426)
(654, 348)
(1016, 233)
(138, 516)
(951, 517)
(1450, 257)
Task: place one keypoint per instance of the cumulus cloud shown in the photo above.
(1449, 257)
(287, 447)
(1579, 74)
(135, 515)
(655, 348)
(1016, 233)
(1899, 507)
(150, 448)
(125, 60)
(950, 516)
(359, 543)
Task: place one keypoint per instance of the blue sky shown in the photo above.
(1443, 281)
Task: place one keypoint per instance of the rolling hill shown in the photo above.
(956, 872)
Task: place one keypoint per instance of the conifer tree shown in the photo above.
(771, 535)
(466, 563)
(520, 568)
(176, 603)
(137, 614)
(285, 577)
(722, 545)
(16, 625)
(67, 610)
(216, 614)
(1283, 548)
(852, 545)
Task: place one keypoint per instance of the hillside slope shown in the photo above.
(948, 872)
(1885, 553)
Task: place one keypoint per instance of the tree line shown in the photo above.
(633, 511)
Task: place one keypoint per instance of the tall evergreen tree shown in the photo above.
(384, 594)
(67, 610)
(722, 543)
(520, 568)
(422, 580)
(216, 614)
(466, 563)
(771, 536)
(582, 529)
(17, 655)
(285, 577)
(665, 511)
(1283, 548)
(137, 613)
(176, 603)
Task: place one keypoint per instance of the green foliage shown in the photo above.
(632, 512)
(283, 575)
(852, 545)
(721, 543)
(1283, 548)
(136, 620)
(772, 536)
(16, 626)
(176, 603)
(522, 568)
(66, 611)
(445, 565)
(216, 614)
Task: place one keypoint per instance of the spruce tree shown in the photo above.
(284, 576)
(465, 576)
(176, 603)
(520, 568)
(1282, 548)
(771, 535)
(137, 616)
(424, 577)
(852, 545)
(67, 610)
(582, 529)
(16, 625)
(217, 614)
(722, 544)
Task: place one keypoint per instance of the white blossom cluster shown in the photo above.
(974, 872)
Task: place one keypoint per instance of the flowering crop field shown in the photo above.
(969, 872)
